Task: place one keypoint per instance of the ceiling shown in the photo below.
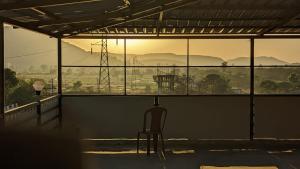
(74, 18)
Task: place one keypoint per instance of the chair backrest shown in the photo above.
(158, 118)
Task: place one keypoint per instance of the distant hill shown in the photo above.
(173, 59)
(260, 60)
(73, 55)
(295, 64)
(24, 49)
(200, 60)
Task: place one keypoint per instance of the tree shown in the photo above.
(180, 87)
(90, 90)
(44, 68)
(147, 89)
(284, 87)
(77, 85)
(17, 91)
(293, 77)
(10, 83)
(69, 71)
(81, 71)
(31, 69)
(268, 86)
(53, 71)
(22, 94)
(10, 78)
(149, 71)
(224, 64)
(214, 84)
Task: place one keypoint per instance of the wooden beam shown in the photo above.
(198, 36)
(143, 11)
(45, 13)
(21, 4)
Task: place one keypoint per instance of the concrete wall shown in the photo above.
(198, 117)
(209, 117)
(277, 117)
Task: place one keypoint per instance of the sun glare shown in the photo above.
(134, 42)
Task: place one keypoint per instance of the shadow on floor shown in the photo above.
(191, 157)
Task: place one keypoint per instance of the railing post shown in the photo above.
(39, 112)
(59, 77)
(2, 78)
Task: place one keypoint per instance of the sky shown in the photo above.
(283, 49)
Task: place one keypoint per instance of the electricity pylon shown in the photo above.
(104, 76)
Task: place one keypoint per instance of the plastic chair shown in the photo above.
(158, 119)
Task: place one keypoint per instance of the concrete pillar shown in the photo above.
(1, 74)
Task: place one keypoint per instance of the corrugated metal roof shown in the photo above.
(120, 17)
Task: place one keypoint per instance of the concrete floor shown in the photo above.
(192, 156)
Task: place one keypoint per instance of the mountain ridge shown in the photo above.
(24, 49)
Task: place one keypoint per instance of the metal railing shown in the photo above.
(28, 115)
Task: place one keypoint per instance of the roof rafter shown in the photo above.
(45, 3)
(199, 36)
(242, 7)
(93, 17)
(46, 13)
(25, 26)
(159, 22)
(172, 19)
(281, 23)
(208, 26)
(213, 19)
(134, 14)
(161, 16)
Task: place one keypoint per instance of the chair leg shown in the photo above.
(138, 143)
(162, 143)
(148, 144)
(155, 140)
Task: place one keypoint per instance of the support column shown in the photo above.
(252, 114)
(2, 74)
(125, 68)
(59, 79)
(188, 66)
